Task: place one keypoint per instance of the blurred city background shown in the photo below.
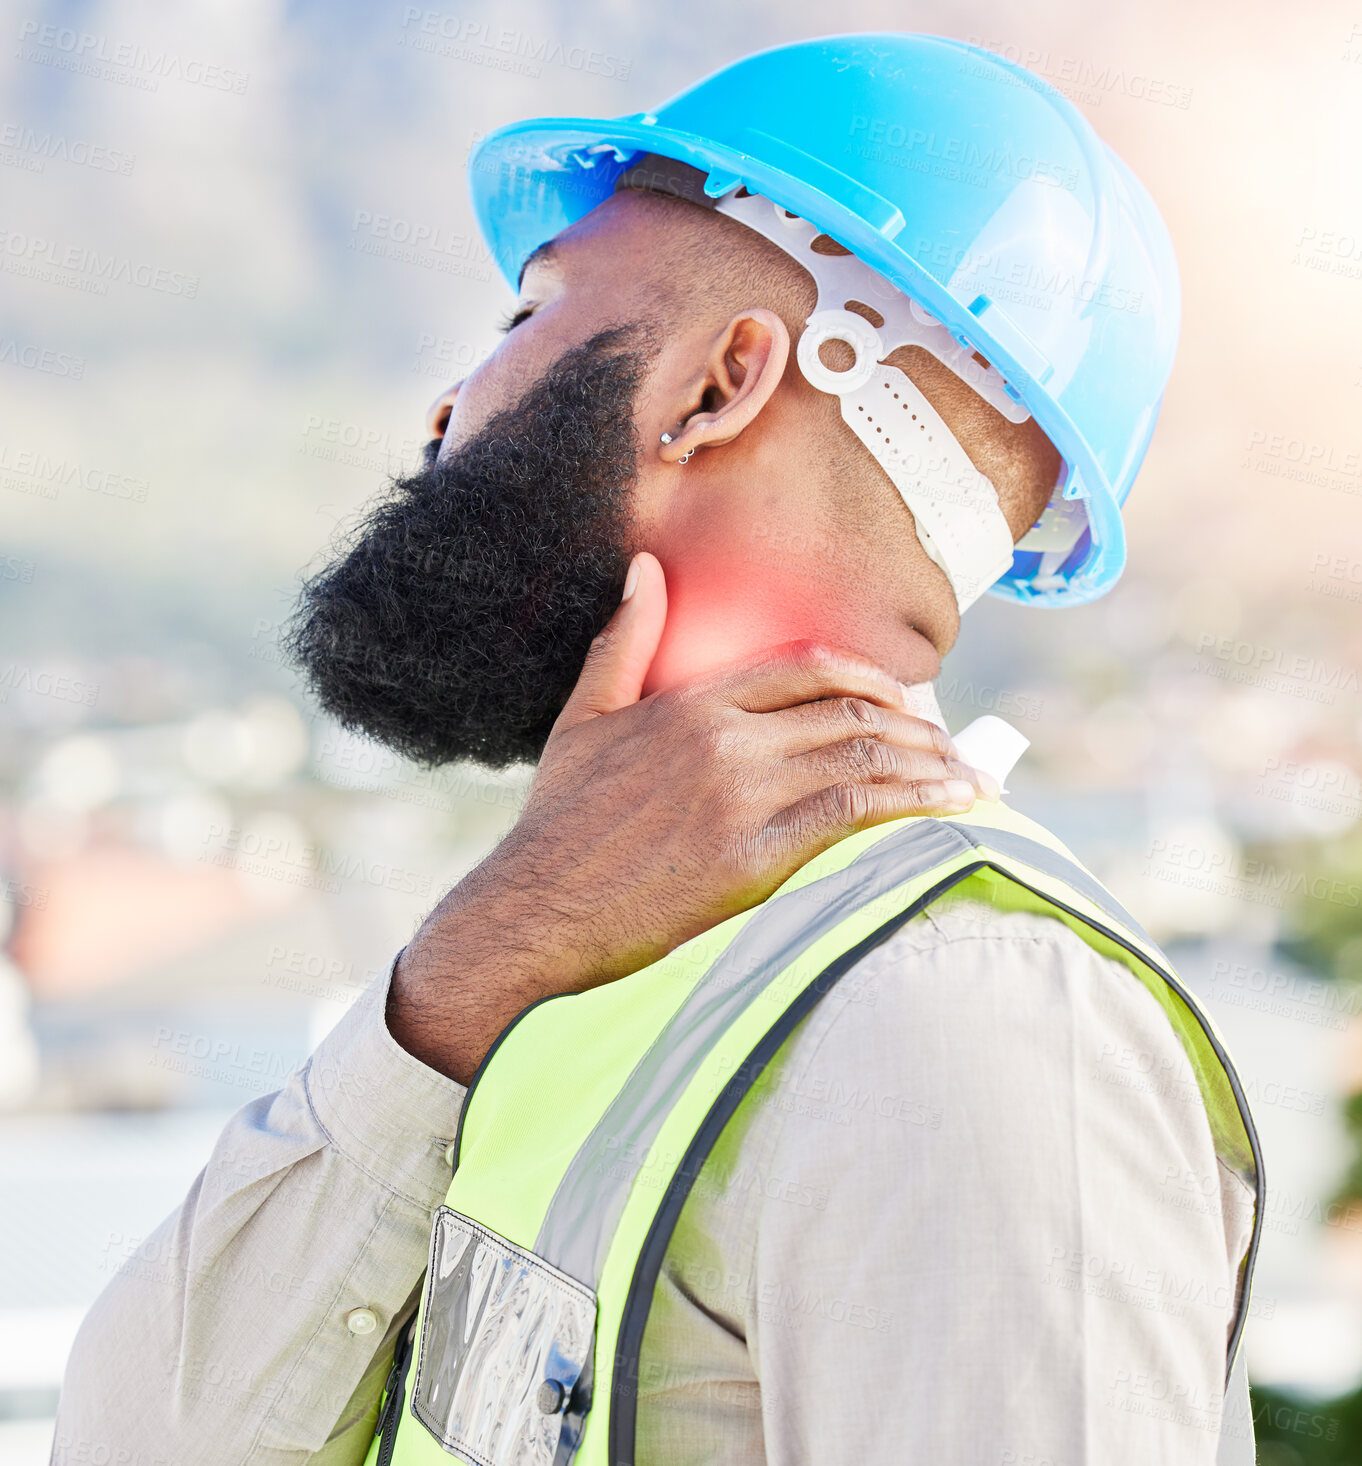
(237, 260)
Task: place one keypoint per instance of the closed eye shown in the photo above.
(510, 321)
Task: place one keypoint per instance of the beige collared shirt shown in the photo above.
(971, 1214)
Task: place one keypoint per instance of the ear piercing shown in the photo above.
(685, 457)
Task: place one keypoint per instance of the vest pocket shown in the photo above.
(505, 1341)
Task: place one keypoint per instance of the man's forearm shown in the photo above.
(514, 930)
(485, 952)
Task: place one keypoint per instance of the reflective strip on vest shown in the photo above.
(591, 1117)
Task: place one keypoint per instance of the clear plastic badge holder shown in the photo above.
(505, 1353)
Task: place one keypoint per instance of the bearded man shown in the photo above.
(785, 1081)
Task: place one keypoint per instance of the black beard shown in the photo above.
(456, 618)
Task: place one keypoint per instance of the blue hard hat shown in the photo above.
(968, 182)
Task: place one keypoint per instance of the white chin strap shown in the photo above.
(954, 507)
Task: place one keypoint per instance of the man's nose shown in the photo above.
(437, 415)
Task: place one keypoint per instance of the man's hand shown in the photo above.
(649, 821)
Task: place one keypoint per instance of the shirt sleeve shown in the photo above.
(232, 1334)
(975, 1243)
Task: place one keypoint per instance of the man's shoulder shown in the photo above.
(964, 952)
(958, 917)
(976, 1002)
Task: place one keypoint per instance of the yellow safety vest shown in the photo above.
(592, 1115)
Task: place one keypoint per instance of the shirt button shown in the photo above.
(449, 1155)
(361, 1320)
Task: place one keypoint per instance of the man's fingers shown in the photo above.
(874, 760)
(813, 725)
(613, 673)
(803, 671)
(820, 819)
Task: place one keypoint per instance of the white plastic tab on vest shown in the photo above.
(993, 745)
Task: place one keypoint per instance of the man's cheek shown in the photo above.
(497, 383)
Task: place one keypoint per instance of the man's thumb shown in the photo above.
(612, 676)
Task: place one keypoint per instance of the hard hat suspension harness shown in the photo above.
(954, 506)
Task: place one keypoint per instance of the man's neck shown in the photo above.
(721, 612)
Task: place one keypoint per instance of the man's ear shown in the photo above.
(743, 367)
